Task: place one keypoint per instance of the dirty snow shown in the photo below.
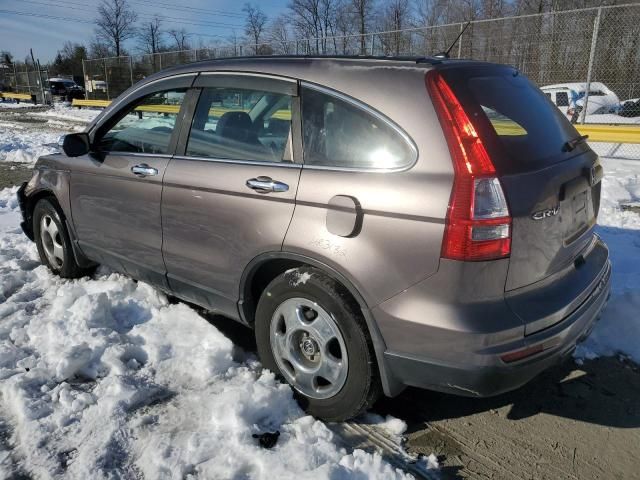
(103, 377)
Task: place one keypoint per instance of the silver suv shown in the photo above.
(379, 222)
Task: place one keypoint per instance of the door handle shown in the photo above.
(266, 184)
(144, 170)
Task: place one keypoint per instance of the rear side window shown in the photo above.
(516, 119)
(240, 124)
(337, 133)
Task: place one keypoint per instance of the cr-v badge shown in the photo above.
(549, 212)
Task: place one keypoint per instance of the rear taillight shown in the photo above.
(478, 225)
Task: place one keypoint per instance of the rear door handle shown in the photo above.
(144, 170)
(266, 184)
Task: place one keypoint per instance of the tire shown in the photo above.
(308, 324)
(53, 241)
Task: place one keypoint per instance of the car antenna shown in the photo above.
(445, 54)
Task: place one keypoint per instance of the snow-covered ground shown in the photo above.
(103, 377)
(618, 332)
(24, 145)
(611, 118)
(64, 111)
(38, 132)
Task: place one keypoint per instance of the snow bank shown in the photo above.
(103, 378)
(65, 111)
(9, 105)
(18, 144)
(618, 331)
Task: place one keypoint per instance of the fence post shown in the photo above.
(15, 77)
(131, 68)
(106, 78)
(44, 100)
(592, 54)
(86, 87)
(460, 41)
(373, 41)
(26, 71)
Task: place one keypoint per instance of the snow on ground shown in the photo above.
(9, 105)
(102, 377)
(618, 331)
(610, 118)
(25, 145)
(25, 141)
(64, 111)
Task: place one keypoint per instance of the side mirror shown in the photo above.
(76, 144)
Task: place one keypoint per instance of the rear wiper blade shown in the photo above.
(572, 144)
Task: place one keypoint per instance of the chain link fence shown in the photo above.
(594, 45)
(20, 79)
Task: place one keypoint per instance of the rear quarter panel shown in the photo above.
(403, 212)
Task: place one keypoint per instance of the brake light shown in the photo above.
(478, 225)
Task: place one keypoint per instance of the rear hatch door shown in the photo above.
(550, 175)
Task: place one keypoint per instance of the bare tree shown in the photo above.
(396, 17)
(6, 57)
(254, 23)
(180, 39)
(343, 27)
(362, 10)
(100, 49)
(115, 23)
(150, 36)
(279, 33)
(314, 19)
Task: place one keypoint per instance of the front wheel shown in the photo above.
(53, 241)
(309, 332)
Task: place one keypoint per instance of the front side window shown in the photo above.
(147, 125)
(240, 124)
(337, 133)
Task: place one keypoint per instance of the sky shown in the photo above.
(45, 25)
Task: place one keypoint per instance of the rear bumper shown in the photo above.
(470, 363)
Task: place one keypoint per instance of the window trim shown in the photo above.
(371, 111)
(180, 81)
(173, 138)
(238, 162)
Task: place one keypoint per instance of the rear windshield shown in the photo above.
(525, 130)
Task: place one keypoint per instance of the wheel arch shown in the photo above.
(31, 202)
(265, 267)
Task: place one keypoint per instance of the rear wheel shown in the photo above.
(310, 333)
(53, 241)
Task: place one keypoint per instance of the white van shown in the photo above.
(569, 98)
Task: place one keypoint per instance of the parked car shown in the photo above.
(438, 235)
(630, 108)
(64, 87)
(570, 97)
